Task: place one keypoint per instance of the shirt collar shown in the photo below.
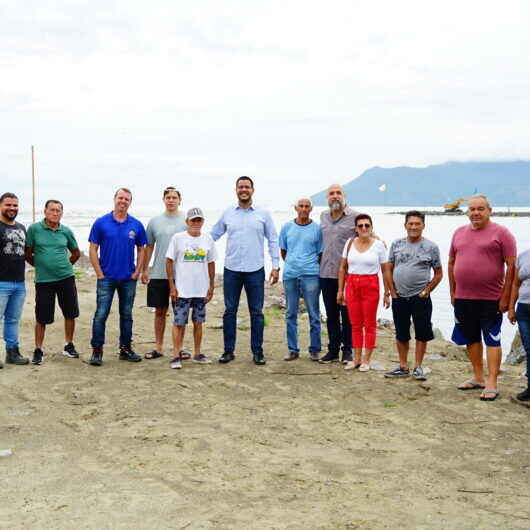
(46, 227)
(251, 207)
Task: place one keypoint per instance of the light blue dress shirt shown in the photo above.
(246, 229)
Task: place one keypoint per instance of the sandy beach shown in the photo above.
(287, 446)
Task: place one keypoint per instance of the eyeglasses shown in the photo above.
(364, 225)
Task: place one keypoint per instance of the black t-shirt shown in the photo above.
(12, 242)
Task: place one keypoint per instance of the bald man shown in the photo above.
(301, 246)
(337, 225)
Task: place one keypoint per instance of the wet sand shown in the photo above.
(289, 445)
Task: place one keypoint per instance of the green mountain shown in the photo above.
(505, 183)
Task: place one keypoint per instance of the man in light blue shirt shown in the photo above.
(246, 226)
(301, 248)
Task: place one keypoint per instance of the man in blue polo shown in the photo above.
(246, 226)
(113, 239)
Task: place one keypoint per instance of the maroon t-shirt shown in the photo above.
(479, 260)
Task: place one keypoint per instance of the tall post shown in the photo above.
(33, 179)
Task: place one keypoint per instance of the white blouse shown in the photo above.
(367, 262)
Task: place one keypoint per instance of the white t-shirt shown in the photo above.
(191, 256)
(367, 262)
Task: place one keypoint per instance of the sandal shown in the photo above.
(489, 391)
(185, 355)
(471, 385)
(153, 355)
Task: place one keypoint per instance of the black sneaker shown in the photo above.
(97, 356)
(226, 358)
(38, 356)
(69, 351)
(258, 359)
(126, 354)
(329, 358)
(524, 395)
(13, 356)
(398, 372)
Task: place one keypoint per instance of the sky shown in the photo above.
(297, 94)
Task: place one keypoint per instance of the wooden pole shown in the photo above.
(33, 179)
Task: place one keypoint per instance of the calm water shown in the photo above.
(387, 226)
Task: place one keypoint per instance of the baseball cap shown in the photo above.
(194, 213)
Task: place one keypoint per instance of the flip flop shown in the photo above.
(473, 385)
(153, 355)
(489, 391)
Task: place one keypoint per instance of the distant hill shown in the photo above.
(505, 183)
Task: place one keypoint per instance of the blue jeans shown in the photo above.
(523, 321)
(253, 282)
(309, 288)
(12, 295)
(104, 295)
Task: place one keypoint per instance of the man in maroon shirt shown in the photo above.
(481, 268)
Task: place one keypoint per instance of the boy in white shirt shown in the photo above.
(190, 266)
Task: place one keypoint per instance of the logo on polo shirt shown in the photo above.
(132, 234)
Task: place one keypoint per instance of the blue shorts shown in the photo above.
(181, 309)
(475, 319)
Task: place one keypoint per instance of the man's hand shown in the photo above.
(173, 293)
(340, 298)
(425, 293)
(100, 276)
(386, 301)
(274, 276)
(511, 315)
(134, 275)
(209, 294)
(503, 304)
(145, 277)
(453, 299)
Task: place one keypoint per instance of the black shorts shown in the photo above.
(158, 293)
(477, 318)
(45, 293)
(415, 308)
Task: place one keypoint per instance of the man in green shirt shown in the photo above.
(47, 246)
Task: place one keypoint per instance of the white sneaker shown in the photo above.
(364, 367)
(351, 365)
(176, 363)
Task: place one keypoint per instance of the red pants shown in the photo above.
(362, 299)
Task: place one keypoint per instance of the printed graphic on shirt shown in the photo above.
(132, 234)
(13, 242)
(194, 255)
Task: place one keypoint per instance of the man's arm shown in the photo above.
(508, 281)
(148, 252)
(211, 275)
(28, 255)
(343, 270)
(385, 270)
(75, 254)
(388, 278)
(452, 281)
(272, 239)
(514, 296)
(218, 228)
(171, 280)
(436, 279)
(140, 254)
(94, 260)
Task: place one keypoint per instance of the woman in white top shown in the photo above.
(362, 260)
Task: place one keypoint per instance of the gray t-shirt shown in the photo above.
(523, 266)
(159, 231)
(412, 264)
(335, 233)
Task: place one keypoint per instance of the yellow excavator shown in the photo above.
(454, 206)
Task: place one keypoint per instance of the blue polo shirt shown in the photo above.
(303, 244)
(116, 242)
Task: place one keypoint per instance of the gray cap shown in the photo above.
(194, 213)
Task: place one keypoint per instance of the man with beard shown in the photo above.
(337, 225)
(246, 226)
(12, 268)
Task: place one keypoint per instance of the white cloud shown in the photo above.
(295, 93)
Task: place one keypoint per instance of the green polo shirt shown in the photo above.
(52, 261)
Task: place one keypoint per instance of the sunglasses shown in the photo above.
(364, 225)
